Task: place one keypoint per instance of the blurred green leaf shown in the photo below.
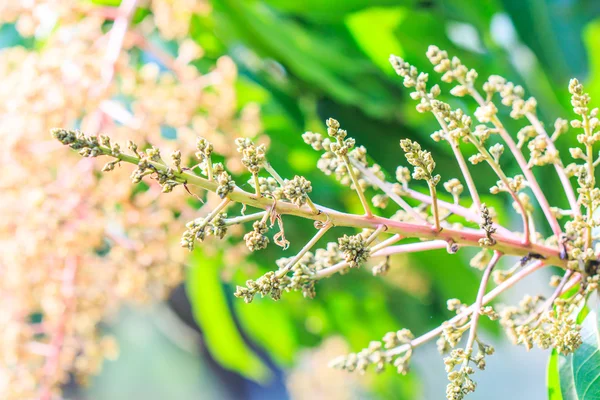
(591, 36)
(333, 10)
(552, 29)
(373, 30)
(270, 326)
(336, 66)
(553, 378)
(213, 315)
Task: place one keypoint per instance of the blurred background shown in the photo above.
(99, 301)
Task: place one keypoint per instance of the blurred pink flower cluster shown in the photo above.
(75, 244)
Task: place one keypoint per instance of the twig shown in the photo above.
(245, 218)
(533, 184)
(359, 191)
(508, 245)
(507, 284)
(479, 303)
(558, 165)
(384, 249)
(385, 187)
(306, 248)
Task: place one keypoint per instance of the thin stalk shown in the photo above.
(359, 191)
(411, 248)
(464, 169)
(591, 176)
(204, 221)
(256, 185)
(245, 218)
(376, 232)
(384, 249)
(385, 187)
(558, 165)
(479, 303)
(498, 170)
(434, 206)
(312, 206)
(507, 284)
(533, 184)
(467, 175)
(305, 249)
(273, 173)
(389, 241)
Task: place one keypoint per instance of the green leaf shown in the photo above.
(333, 10)
(212, 313)
(586, 360)
(373, 29)
(553, 377)
(580, 372)
(336, 66)
(556, 40)
(565, 372)
(269, 324)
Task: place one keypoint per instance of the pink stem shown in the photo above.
(560, 170)
(507, 284)
(533, 184)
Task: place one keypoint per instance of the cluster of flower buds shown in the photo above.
(377, 354)
(534, 322)
(355, 249)
(256, 239)
(421, 160)
(488, 227)
(198, 229)
(461, 383)
(297, 190)
(452, 70)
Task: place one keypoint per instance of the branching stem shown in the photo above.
(558, 165)
(359, 191)
(507, 284)
(479, 303)
(508, 245)
(273, 173)
(498, 170)
(385, 187)
(245, 218)
(518, 155)
(305, 249)
(434, 207)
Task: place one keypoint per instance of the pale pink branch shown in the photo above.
(492, 294)
(457, 209)
(117, 112)
(116, 38)
(382, 250)
(476, 313)
(385, 187)
(411, 248)
(560, 170)
(518, 155)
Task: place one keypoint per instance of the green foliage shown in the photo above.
(211, 311)
(553, 377)
(577, 376)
